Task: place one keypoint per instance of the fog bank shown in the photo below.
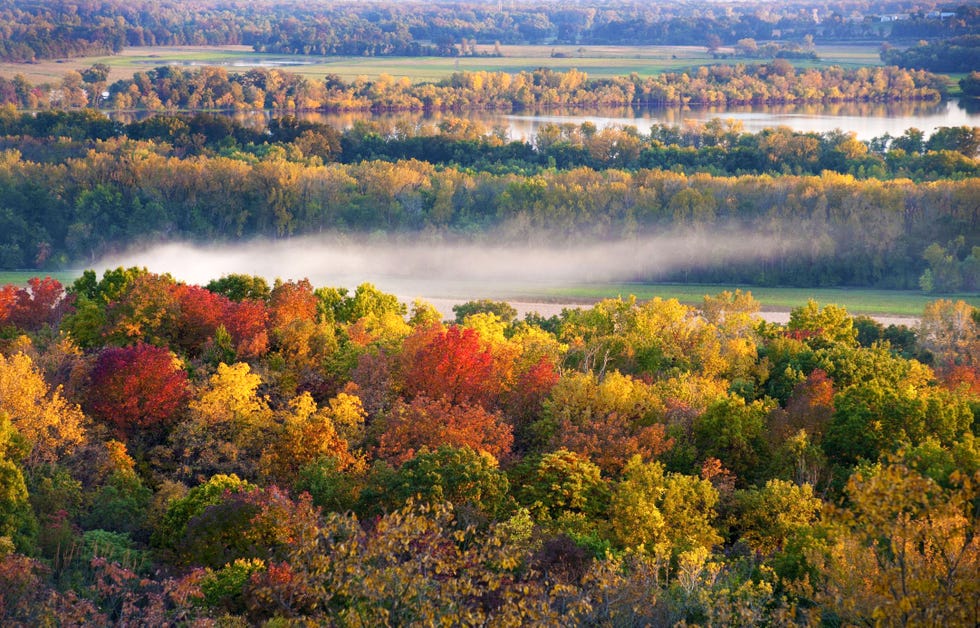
(450, 269)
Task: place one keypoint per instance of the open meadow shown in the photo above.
(596, 61)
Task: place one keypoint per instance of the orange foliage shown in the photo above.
(291, 301)
(610, 441)
(430, 423)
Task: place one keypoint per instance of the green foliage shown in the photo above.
(504, 311)
(238, 287)
(561, 482)
(468, 479)
(733, 431)
(17, 522)
(169, 535)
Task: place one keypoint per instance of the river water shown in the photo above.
(866, 120)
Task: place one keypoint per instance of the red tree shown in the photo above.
(42, 303)
(455, 366)
(247, 322)
(137, 387)
(430, 423)
(8, 296)
(201, 312)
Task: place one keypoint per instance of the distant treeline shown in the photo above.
(859, 232)
(31, 31)
(776, 82)
(959, 54)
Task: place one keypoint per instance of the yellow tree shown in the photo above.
(908, 552)
(51, 425)
(226, 428)
(663, 513)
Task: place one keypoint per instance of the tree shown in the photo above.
(304, 434)
(291, 301)
(238, 287)
(970, 85)
(949, 331)
(171, 531)
(227, 425)
(561, 482)
(908, 553)
(767, 518)
(17, 524)
(464, 477)
(431, 423)
(52, 427)
(819, 326)
(42, 303)
(664, 514)
(457, 366)
(734, 432)
(505, 311)
(138, 390)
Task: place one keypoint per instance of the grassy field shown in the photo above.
(596, 61)
(856, 301)
(20, 278)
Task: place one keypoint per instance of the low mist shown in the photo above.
(466, 270)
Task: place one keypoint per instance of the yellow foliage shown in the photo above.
(53, 426)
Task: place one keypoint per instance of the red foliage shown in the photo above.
(291, 301)
(247, 323)
(523, 401)
(42, 303)
(433, 422)
(455, 366)
(201, 313)
(137, 387)
(8, 296)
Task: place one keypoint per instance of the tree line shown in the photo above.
(777, 82)
(246, 451)
(958, 54)
(30, 32)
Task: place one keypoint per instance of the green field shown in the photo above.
(856, 301)
(19, 278)
(596, 61)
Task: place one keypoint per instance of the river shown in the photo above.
(866, 120)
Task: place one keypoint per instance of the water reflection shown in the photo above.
(867, 120)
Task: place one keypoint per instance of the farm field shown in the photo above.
(856, 301)
(596, 61)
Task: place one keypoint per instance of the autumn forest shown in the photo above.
(254, 450)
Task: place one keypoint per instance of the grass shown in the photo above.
(20, 277)
(596, 61)
(856, 300)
